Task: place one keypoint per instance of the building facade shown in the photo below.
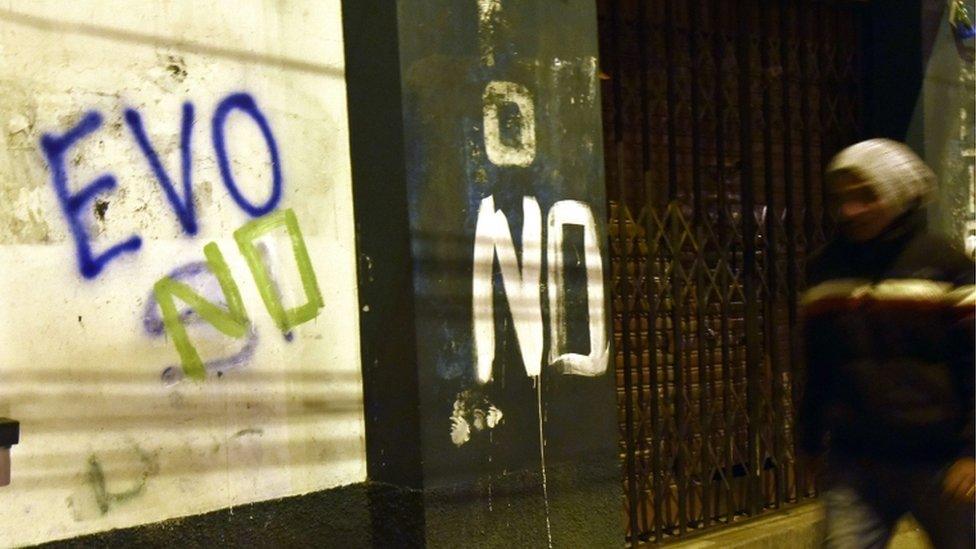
(366, 273)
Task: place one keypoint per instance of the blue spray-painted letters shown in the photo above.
(245, 103)
(184, 208)
(55, 148)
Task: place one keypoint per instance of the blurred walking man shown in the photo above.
(889, 328)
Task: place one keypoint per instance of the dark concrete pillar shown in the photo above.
(479, 194)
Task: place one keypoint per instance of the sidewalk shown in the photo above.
(798, 527)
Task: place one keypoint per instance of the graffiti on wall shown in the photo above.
(541, 282)
(232, 319)
(522, 151)
(56, 148)
(522, 282)
(523, 288)
(207, 289)
(196, 274)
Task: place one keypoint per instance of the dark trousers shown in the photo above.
(864, 500)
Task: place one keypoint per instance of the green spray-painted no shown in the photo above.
(234, 321)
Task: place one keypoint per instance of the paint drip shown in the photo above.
(542, 456)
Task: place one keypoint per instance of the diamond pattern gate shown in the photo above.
(719, 116)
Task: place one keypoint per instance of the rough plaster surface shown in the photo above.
(106, 442)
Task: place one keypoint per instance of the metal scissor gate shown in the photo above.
(719, 116)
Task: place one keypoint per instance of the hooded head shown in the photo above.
(874, 182)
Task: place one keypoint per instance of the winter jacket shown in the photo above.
(889, 347)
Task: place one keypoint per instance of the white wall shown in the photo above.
(106, 441)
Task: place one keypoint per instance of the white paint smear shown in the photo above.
(970, 238)
(473, 414)
(460, 431)
(591, 73)
(487, 12)
(572, 212)
(521, 285)
(502, 154)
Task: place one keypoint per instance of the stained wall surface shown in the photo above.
(209, 116)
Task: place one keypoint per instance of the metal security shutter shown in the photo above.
(718, 119)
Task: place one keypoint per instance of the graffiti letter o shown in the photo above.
(246, 104)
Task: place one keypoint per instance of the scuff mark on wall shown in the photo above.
(176, 67)
(578, 76)
(102, 493)
(17, 123)
(101, 206)
(22, 219)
